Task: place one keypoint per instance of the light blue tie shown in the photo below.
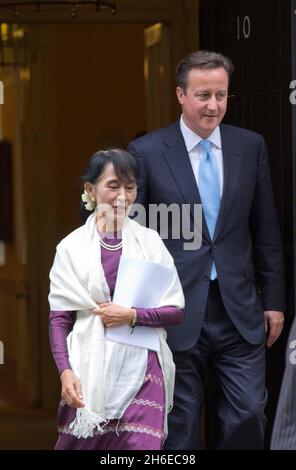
(209, 190)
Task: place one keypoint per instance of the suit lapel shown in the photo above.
(177, 159)
(231, 169)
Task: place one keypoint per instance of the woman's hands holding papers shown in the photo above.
(114, 315)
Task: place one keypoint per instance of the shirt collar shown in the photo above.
(191, 139)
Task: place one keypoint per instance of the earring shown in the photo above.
(89, 200)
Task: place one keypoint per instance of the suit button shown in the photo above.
(214, 246)
(206, 277)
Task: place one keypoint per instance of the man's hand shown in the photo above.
(274, 322)
(71, 389)
(114, 315)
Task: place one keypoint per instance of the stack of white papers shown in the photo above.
(139, 284)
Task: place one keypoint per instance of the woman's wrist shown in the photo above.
(66, 370)
(133, 319)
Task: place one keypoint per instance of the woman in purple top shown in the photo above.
(109, 190)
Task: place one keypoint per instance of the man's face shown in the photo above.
(204, 101)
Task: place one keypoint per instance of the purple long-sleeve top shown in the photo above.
(61, 322)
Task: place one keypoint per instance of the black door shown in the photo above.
(225, 37)
(257, 36)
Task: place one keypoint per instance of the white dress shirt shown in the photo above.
(195, 151)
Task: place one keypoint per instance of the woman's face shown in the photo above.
(113, 197)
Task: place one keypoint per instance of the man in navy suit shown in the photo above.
(234, 283)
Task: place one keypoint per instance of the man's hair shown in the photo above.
(201, 60)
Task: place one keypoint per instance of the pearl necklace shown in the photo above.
(108, 247)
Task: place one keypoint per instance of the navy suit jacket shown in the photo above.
(246, 246)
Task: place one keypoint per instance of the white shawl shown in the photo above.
(111, 373)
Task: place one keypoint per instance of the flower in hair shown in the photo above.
(90, 204)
